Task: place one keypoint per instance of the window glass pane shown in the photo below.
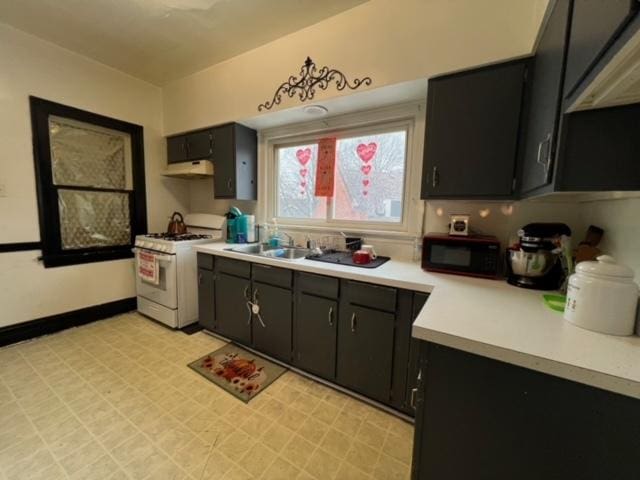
(370, 177)
(296, 167)
(86, 155)
(93, 219)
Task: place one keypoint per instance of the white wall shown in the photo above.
(30, 66)
(620, 220)
(504, 219)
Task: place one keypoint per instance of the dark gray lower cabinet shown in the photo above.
(365, 350)
(315, 335)
(206, 299)
(419, 299)
(273, 335)
(355, 334)
(483, 419)
(231, 313)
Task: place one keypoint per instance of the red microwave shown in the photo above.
(473, 255)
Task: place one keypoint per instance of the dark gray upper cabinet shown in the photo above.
(176, 149)
(580, 151)
(600, 150)
(190, 146)
(544, 100)
(235, 151)
(316, 325)
(272, 335)
(199, 145)
(472, 126)
(595, 25)
(231, 313)
(232, 148)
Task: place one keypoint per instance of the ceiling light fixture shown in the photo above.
(315, 110)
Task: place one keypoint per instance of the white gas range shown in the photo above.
(172, 298)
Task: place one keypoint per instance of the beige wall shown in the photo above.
(29, 66)
(620, 220)
(391, 41)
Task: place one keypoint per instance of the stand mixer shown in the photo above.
(539, 260)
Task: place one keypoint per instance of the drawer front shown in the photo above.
(278, 277)
(205, 261)
(239, 268)
(371, 296)
(318, 285)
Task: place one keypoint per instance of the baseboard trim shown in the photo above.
(19, 247)
(54, 323)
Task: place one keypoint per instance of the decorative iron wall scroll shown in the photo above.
(310, 78)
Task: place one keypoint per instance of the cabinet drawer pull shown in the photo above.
(331, 316)
(353, 322)
(546, 162)
(412, 402)
(435, 177)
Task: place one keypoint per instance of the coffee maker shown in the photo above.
(538, 261)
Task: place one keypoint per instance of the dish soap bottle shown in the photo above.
(274, 236)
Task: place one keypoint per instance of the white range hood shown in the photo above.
(618, 83)
(195, 169)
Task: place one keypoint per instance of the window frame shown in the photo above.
(408, 117)
(53, 255)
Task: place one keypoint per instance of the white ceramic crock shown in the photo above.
(603, 297)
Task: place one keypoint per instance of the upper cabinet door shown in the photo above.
(472, 125)
(595, 25)
(544, 100)
(224, 162)
(176, 149)
(199, 145)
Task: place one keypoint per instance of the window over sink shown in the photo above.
(374, 172)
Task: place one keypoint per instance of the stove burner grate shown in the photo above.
(178, 238)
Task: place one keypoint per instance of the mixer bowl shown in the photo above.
(531, 264)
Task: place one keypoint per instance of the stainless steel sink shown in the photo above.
(286, 253)
(261, 250)
(252, 249)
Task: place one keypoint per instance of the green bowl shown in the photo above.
(555, 302)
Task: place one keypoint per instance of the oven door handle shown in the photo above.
(161, 258)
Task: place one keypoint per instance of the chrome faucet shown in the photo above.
(289, 237)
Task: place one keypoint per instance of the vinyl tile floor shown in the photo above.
(115, 399)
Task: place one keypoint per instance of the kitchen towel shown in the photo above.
(148, 267)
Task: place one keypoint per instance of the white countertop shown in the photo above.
(493, 319)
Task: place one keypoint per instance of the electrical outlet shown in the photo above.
(3, 190)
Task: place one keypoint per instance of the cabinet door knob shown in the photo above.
(331, 316)
(435, 177)
(229, 184)
(246, 293)
(353, 322)
(199, 279)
